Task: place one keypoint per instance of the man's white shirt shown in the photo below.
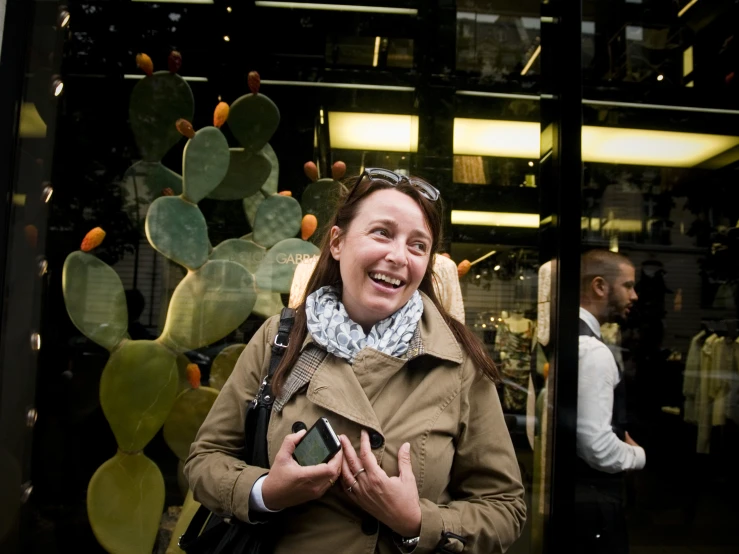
(597, 444)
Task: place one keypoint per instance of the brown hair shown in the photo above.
(327, 273)
(600, 263)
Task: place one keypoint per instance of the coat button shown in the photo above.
(376, 440)
(370, 526)
(299, 426)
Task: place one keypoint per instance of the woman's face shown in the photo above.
(382, 256)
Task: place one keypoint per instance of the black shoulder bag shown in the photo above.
(209, 533)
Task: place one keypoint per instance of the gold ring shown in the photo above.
(352, 486)
(359, 472)
(332, 482)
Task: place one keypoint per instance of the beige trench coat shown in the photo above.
(461, 452)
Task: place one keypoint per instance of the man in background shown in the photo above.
(604, 448)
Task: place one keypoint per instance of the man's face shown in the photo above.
(621, 294)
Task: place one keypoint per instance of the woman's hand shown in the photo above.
(392, 500)
(289, 484)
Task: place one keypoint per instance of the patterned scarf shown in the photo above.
(330, 326)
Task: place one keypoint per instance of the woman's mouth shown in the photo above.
(386, 281)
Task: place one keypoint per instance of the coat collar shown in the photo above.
(435, 336)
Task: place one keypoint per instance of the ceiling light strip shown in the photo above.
(336, 7)
(495, 219)
(498, 95)
(659, 107)
(137, 76)
(352, 86)
(531, 61)
(686, 8)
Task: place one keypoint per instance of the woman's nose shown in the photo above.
(396, 254)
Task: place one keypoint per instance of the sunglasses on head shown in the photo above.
(394, 179)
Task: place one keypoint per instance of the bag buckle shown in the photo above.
(279, 344)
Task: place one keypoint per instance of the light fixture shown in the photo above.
(531, 164)
(531, 61)
(376, 55)
(495, 219)
(43, 266)
(136, 76)
(351, 86)
(227, 38)
(686, 8)
(687, 61)
(496, 268)
(35, 341)
(368, 131)
(63, 17)
(320, 113)
(46, 193)
(660, 77)
(335, 7)
(521, 139)
(177, 1)
(229, 9)
(57, 85)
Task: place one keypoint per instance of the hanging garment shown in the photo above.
(514, 350)
(704, 408)
(691, 378)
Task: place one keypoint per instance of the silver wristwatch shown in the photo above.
(409, 544)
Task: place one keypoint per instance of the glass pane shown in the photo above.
(657, 406)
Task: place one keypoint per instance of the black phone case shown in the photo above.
(332, 447)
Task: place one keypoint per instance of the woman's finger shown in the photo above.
(350, 455)
(366, 457)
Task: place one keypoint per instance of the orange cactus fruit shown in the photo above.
(308, 226)
(167, 192)
(220, 115)
(463, 268)
(253, 80)
(311, 171)
(285, 193)
(92, 239)
(174, 62)
(193, 375)
(338, 170)
(546, 370)
(145, 64)
(185, 128)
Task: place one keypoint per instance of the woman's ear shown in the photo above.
(336, 243)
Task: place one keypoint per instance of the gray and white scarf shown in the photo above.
(331, 327)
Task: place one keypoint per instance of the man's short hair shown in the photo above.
(600, 263)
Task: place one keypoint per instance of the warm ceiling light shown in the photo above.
(484, 137)
(376, 55)
(686, 8)
(64, 17)
(531, 61)
(658, 148)
(57, 86)
(531, 164)
(367, 131)
(324, 84)
(660, 77)
(139, 76)
(495, 219)
(226, 38)
(228, 9)
(520, 139)
(336, 7)
(177, 1)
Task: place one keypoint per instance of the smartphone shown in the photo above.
(318, 445)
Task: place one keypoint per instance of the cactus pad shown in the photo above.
(243, 252)
(186, 417)
(321, 199)
(157, 102)
(205, 163)
(269, 188)
(177, 229)
(208, 304)
(189, 508)
(278, 218)
(224, 364)
(268, 304)
(125, 499)
(137, 390)
(95, 299)
(253, 119)
(246, 175)
(278, 267)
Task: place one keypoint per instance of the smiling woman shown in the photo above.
(426, 461)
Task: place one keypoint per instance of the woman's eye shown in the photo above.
(421, 246)
(381, 232)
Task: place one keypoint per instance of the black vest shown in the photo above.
(618, 419)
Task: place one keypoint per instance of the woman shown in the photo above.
(426, 460)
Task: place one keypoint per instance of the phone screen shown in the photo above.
(313, 448)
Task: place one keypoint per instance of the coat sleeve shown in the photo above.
(488, 508)
(218, 478)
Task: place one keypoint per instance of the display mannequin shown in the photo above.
(513, 344)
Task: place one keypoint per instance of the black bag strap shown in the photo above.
(192, 540)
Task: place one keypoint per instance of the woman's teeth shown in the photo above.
(381, 277)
